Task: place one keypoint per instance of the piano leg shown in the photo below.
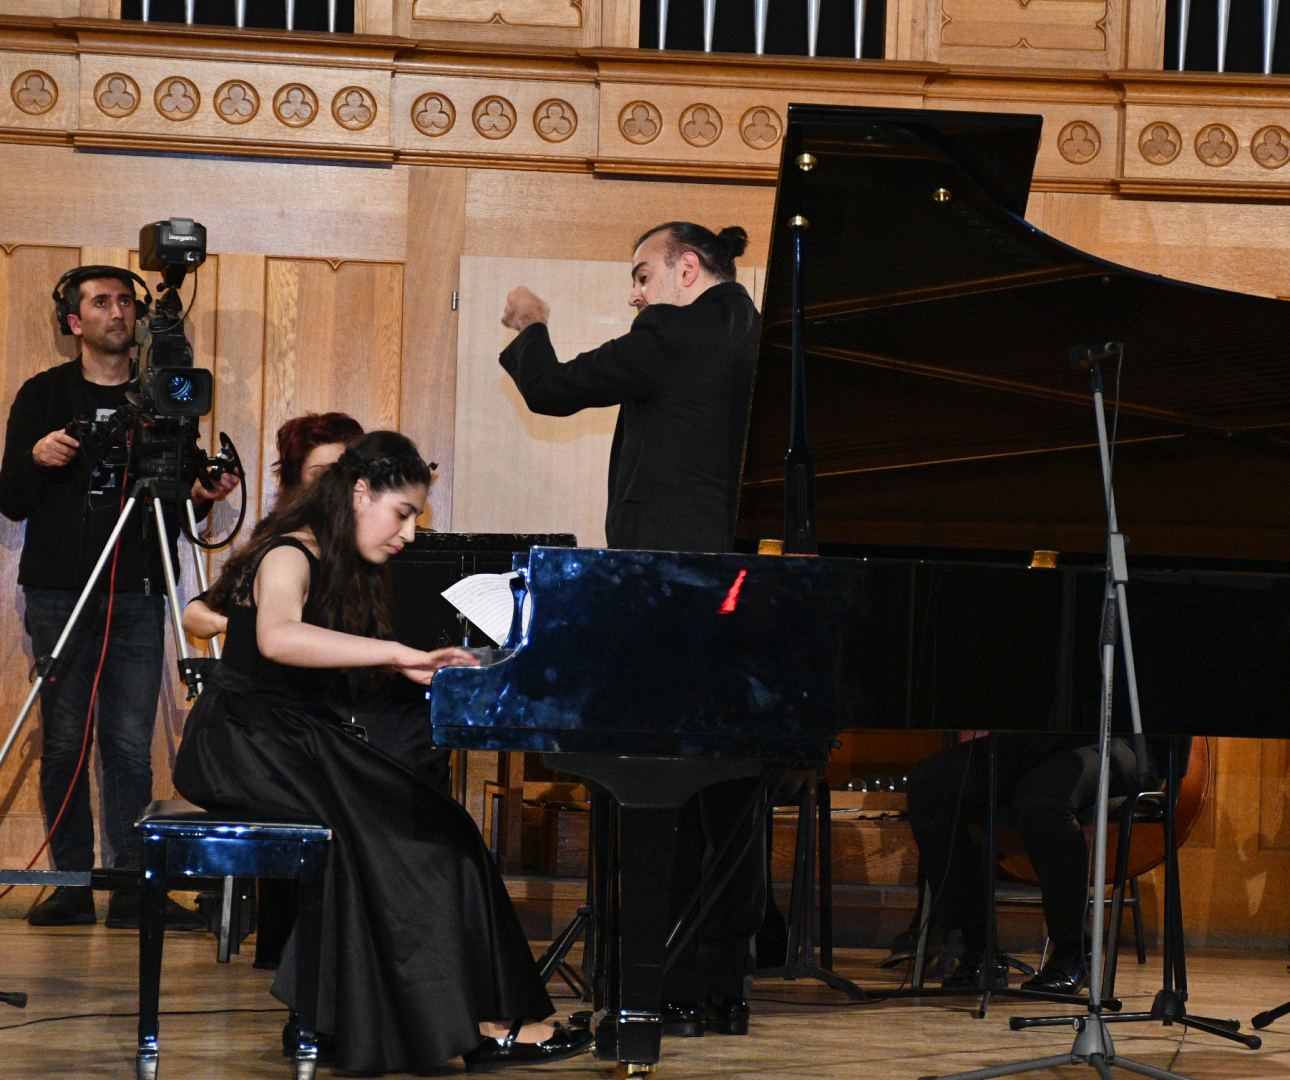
(649, 793)
(646, 838)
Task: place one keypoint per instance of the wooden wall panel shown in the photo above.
(1089, 34)
(436, 234)
(1274, 796)
(333, 336)
(574, 23)
(247, 205)
(566, 215)
(239, 383)
(517, 471)
(30, 343)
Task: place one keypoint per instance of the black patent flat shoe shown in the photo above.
(727, 1015)
(490, 1054)
(291, 1032)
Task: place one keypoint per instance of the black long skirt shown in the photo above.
(420, 942)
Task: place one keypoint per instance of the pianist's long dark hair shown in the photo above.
(349, 590)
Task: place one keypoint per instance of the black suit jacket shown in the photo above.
(682, 376)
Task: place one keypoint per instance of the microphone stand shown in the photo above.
(1093, 1046)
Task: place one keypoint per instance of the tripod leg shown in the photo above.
(47, 663)
(1263, 1019)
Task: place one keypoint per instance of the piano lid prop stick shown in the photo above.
(799, 467)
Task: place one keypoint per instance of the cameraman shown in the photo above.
(71, 507)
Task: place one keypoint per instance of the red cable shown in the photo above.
(94, 691)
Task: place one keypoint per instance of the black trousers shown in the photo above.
(1044, 783)
(719, 955)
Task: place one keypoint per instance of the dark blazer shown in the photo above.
(682, 376)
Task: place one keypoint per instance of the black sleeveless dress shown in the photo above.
(420, 942)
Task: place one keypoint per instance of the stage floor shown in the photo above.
(219, 1021)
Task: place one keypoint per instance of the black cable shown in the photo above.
(135, 1014)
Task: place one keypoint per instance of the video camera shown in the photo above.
(156, 433)
(169, 384)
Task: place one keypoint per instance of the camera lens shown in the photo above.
(180, 389)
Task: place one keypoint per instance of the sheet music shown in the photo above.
(487, 601)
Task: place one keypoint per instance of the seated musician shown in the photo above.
(393, 719)
(1044, 783)
(682, 377)
(306, 446)
(422, 957)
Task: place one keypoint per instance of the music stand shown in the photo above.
(1093, 1046)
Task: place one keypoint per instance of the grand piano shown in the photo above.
(951, 442)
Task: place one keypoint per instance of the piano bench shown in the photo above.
(179, 839)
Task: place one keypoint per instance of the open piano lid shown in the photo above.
(942, 410)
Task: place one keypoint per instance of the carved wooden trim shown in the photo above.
(494, 117)
(116, 95)
(1217, 145)
(1160, 143)
(353, 108)
(236, 102)
(620, 110)
(1079, 142)
(761, 128)
(177, 98)
(701, 125)
(34, 92)
(640, 122)
(433, 115)
(555, 120)
(295, 105)
(1270, 146)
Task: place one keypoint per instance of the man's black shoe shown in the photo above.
(123, 913)
(490, 1054)
(727, 1015)
(968, 975)
(685, 1019)
(1065, 973)
(67, 905)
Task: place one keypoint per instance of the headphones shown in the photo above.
(63, 299)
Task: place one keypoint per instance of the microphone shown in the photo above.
(1084, 357)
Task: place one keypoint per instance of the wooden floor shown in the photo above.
(219, 1021)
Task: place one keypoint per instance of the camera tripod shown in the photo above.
(147, 489)
(151, 491)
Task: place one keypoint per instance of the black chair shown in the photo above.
(180, 840)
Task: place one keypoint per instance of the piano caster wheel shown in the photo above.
(627, 1069)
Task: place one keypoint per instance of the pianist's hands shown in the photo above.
(420, 666)
(524, 307)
